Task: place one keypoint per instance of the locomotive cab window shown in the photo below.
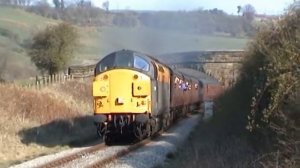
(141, 63)
(105, 64)
(122, 60)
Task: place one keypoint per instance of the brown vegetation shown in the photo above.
(34, 120)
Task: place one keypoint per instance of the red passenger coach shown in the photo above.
(211, 91)
(211, 88)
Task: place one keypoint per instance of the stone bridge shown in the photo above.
(223, 65)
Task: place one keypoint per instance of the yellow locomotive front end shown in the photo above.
(122, 90)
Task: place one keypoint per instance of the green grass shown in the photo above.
(21, 22)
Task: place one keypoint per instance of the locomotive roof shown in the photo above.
(143, 55)
(199, 75)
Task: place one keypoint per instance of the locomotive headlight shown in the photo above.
(135, 76)
(105, 77)
(102, 89)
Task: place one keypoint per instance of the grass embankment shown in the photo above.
(257, 122)
(35, 122)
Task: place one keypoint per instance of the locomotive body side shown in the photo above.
(162, 91)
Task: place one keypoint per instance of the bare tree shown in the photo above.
(56, 4)
(28, 2)
(105, 5)
(249, 12)
(59, 4)
(239, 9)
(43, 8)
(62, 4)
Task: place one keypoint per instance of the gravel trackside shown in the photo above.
(155, 153)
(47, 158)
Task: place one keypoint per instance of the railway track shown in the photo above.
(104, 162)
(69, 158)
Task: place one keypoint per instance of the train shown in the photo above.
(137, 95)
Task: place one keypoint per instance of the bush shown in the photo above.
(266, 98)
(9, 34)
(52, 49)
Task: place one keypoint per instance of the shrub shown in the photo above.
(7, 33)
(266, 98)
(52, 49)
(275, 72)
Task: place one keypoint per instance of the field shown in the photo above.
(17, 27)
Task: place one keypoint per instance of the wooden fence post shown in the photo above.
(49, 80)
(36, 82)
(59, 77)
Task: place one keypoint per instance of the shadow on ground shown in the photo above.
(75, 132)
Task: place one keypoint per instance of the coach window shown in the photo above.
(140, 63)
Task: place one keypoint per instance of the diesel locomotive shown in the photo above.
(135, 94)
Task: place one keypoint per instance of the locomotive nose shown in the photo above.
(122, 91)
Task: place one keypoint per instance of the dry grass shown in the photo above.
(77, 95)
(39, 106)
(35, 122)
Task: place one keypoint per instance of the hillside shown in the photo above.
(18, 26)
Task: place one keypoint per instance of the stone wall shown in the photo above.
(226, 73)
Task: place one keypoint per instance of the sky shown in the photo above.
(229, 6)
